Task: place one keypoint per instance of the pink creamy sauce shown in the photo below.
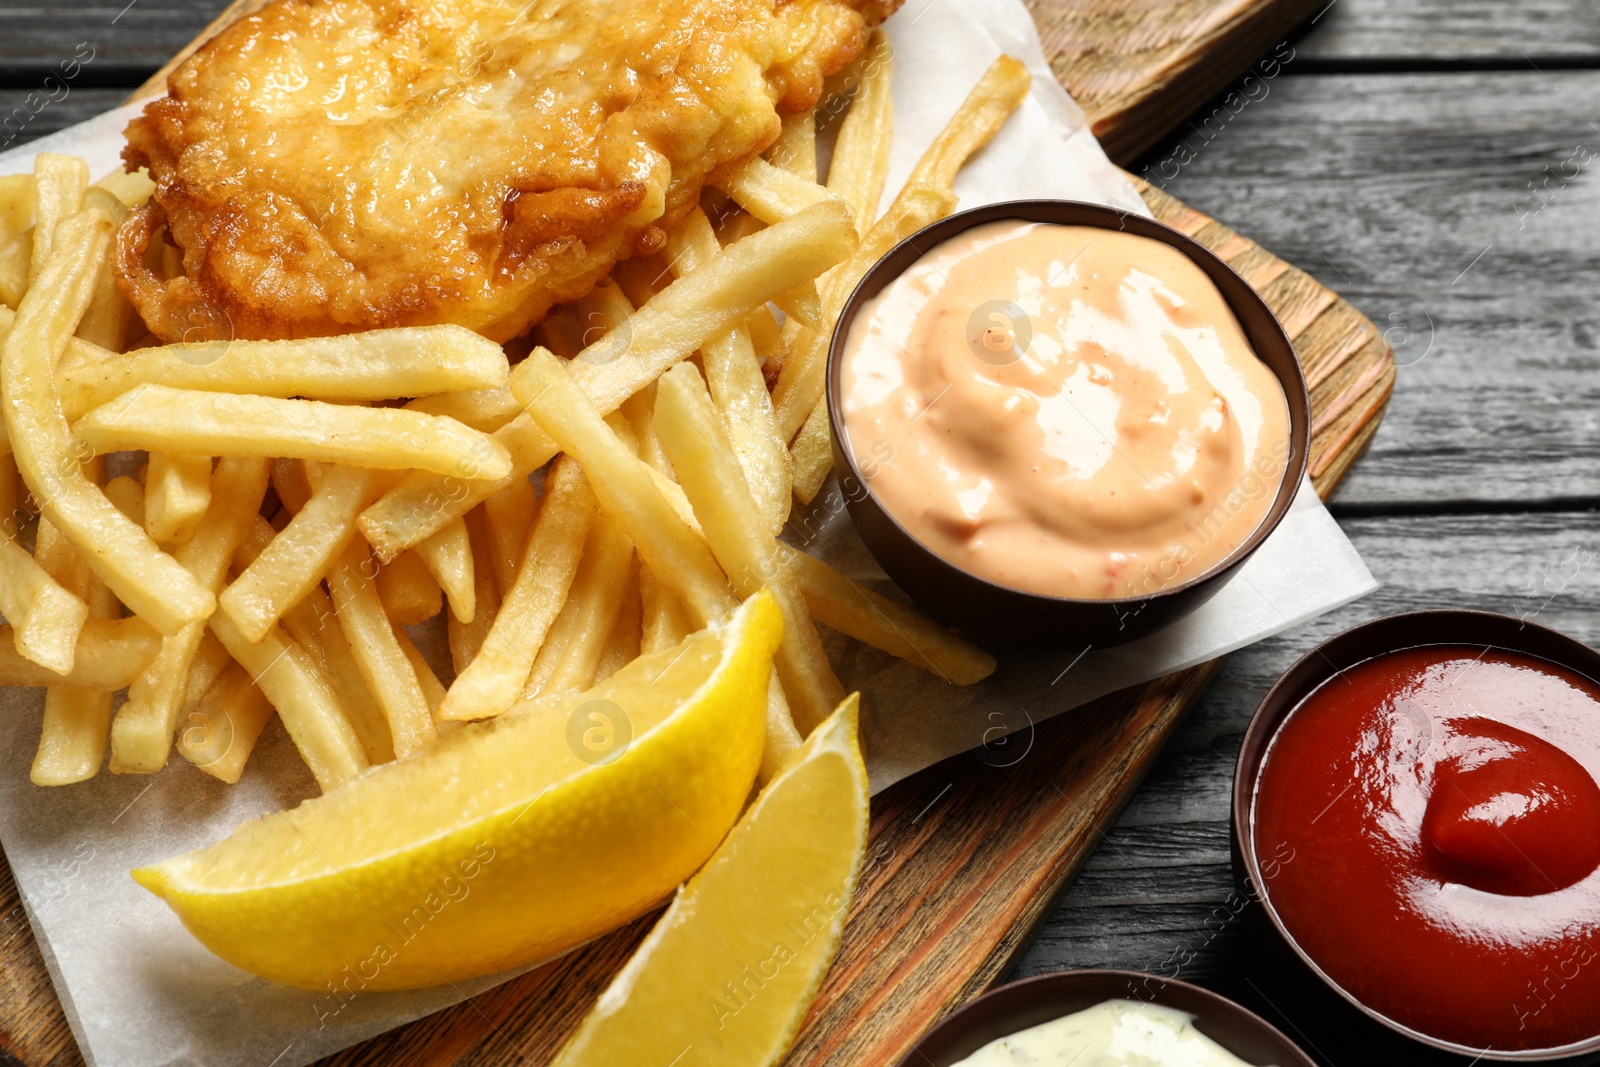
(1064, 410)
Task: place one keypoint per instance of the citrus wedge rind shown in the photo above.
(510, 841)
(727, 974)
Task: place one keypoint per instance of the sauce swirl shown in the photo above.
(1442, 810)
(1064, 410)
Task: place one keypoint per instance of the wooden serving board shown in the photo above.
(966, 857)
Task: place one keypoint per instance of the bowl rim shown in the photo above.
(1316, 668)
(1101, 216)
(1043, 987)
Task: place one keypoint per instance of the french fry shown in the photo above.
(408, 592)
(255, 542)
(604, 309)
(1001, 90)
(78, 352)
(296, 560)
(860, 164)
(509, 518)
(177, 492)
(700, 452)
(378, 655)
(640, 411)
(225, 424)
(672, 325)
(736, 384)
(60, 560)
(313, 626)
(448, 557)
(150, 582)
(304, 697)
(376, 365)
(466, 637)
(127, 496)
(481, 409)
(795, 150)
(210, 660)
(767, 338)
(221, 730)
(623, 643)
(107, 321)
(110, 653)
(15, 256)
(133, 189)
(16, 240)
(927, 197)
(291, 483)
(141, 733)
(803, 305)
(771, 193)
(641, 278)
(47, 619)
(664, 621)
(72, 737)
(11, 515)
(433, 691)
(812, 457)
(830, 597)
(703, 303)
(782, 738)
(494, 678)
(626, 488)
(570, 655)
(858, 612)
(59, 185)
(801, 378)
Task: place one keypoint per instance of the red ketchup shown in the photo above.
(1444, 819)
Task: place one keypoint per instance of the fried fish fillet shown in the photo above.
(335, 165)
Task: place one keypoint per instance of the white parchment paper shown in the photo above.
(140, 992)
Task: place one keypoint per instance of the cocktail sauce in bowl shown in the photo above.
(1426, 787)
(1057, 423)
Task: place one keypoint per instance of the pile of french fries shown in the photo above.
(235, 530)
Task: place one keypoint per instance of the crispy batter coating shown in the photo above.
(337, 165)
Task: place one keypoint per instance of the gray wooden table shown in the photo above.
(1431, 161)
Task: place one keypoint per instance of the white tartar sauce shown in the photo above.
(1116, 1033)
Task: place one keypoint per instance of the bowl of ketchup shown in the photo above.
(1416, 807)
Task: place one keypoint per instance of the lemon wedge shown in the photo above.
(508, 842)
(728, 973)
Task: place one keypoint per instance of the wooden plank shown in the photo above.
(1157, 894)
(1138, 68)
(1388, 188)
(127, 40)
(1417, 33)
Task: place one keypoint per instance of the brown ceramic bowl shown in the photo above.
(1389, 634)
(1000, 616)
(1033, 1001)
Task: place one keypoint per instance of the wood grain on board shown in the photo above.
(1140, 67)
(965, 857)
